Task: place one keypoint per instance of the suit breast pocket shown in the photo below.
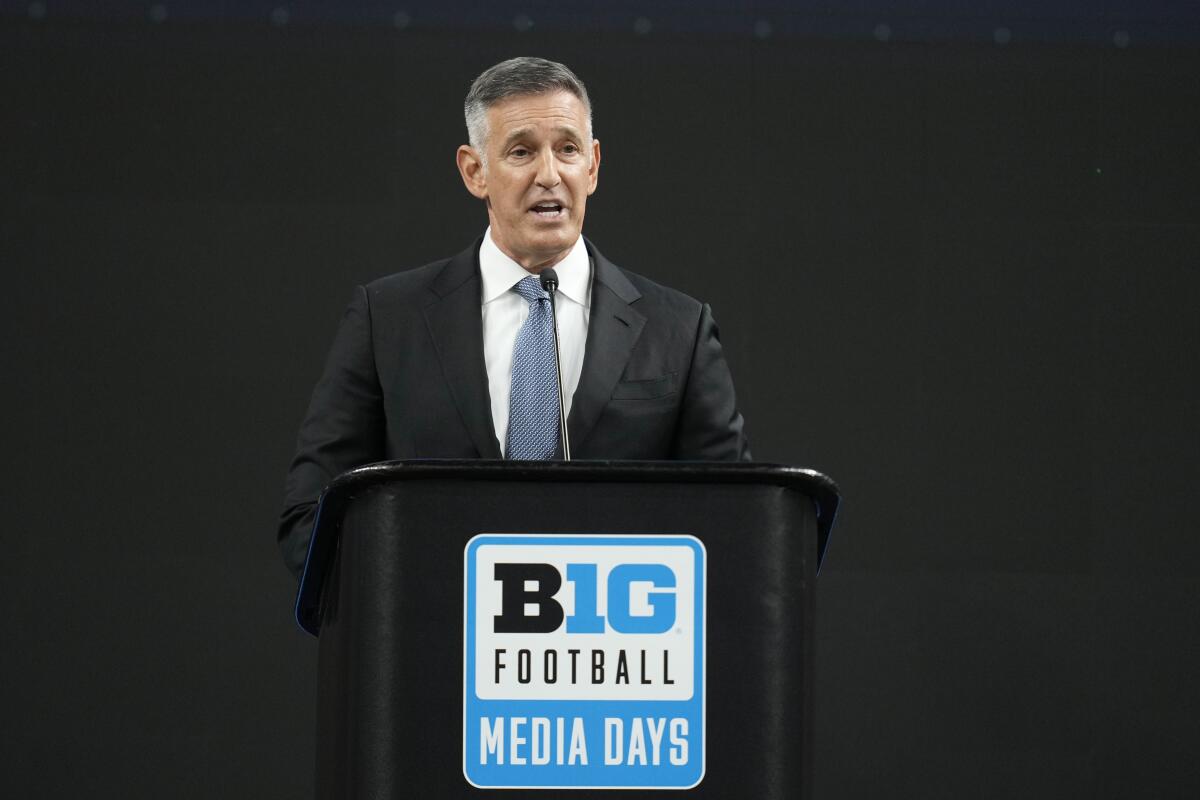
(645, 389)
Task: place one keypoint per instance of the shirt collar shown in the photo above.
(500, 273)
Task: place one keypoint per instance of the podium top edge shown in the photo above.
(605, 471)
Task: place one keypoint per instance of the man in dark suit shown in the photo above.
(449, 360)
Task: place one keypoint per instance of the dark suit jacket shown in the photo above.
(405, 378)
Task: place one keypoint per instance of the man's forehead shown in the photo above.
(553, 110)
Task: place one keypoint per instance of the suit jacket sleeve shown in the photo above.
(344, 428)
(710, 426)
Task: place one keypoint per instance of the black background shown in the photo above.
(956, 273)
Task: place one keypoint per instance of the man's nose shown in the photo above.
(547, 174)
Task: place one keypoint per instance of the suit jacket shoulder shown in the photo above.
(421, 285)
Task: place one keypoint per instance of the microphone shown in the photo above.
(549, 279)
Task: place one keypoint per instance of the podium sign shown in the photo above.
(584, 661)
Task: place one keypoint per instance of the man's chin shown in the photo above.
(542, 249)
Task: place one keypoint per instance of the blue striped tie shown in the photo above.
(533, 401)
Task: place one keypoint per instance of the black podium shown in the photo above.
(504, 629)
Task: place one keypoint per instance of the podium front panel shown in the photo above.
(393, 639)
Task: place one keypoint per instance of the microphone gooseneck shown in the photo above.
(549, 279)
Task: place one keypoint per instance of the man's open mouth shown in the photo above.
(548, 210)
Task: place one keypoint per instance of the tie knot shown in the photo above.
(531, 289)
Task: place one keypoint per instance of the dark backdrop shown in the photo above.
(957, 273)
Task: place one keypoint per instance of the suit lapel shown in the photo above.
(455, 324)
(613, 329)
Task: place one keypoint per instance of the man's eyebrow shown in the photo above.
(519, 133)
(570, 130)
(522, 133)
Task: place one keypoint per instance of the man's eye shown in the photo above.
(570, 148)
(519, 152)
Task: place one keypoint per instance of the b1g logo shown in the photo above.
(584, 661)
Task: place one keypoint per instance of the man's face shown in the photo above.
(541, 167)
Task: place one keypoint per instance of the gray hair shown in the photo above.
(517, 76)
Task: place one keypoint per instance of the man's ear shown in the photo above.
(594, 168)
(470, 166)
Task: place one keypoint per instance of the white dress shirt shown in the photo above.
(505, 311)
